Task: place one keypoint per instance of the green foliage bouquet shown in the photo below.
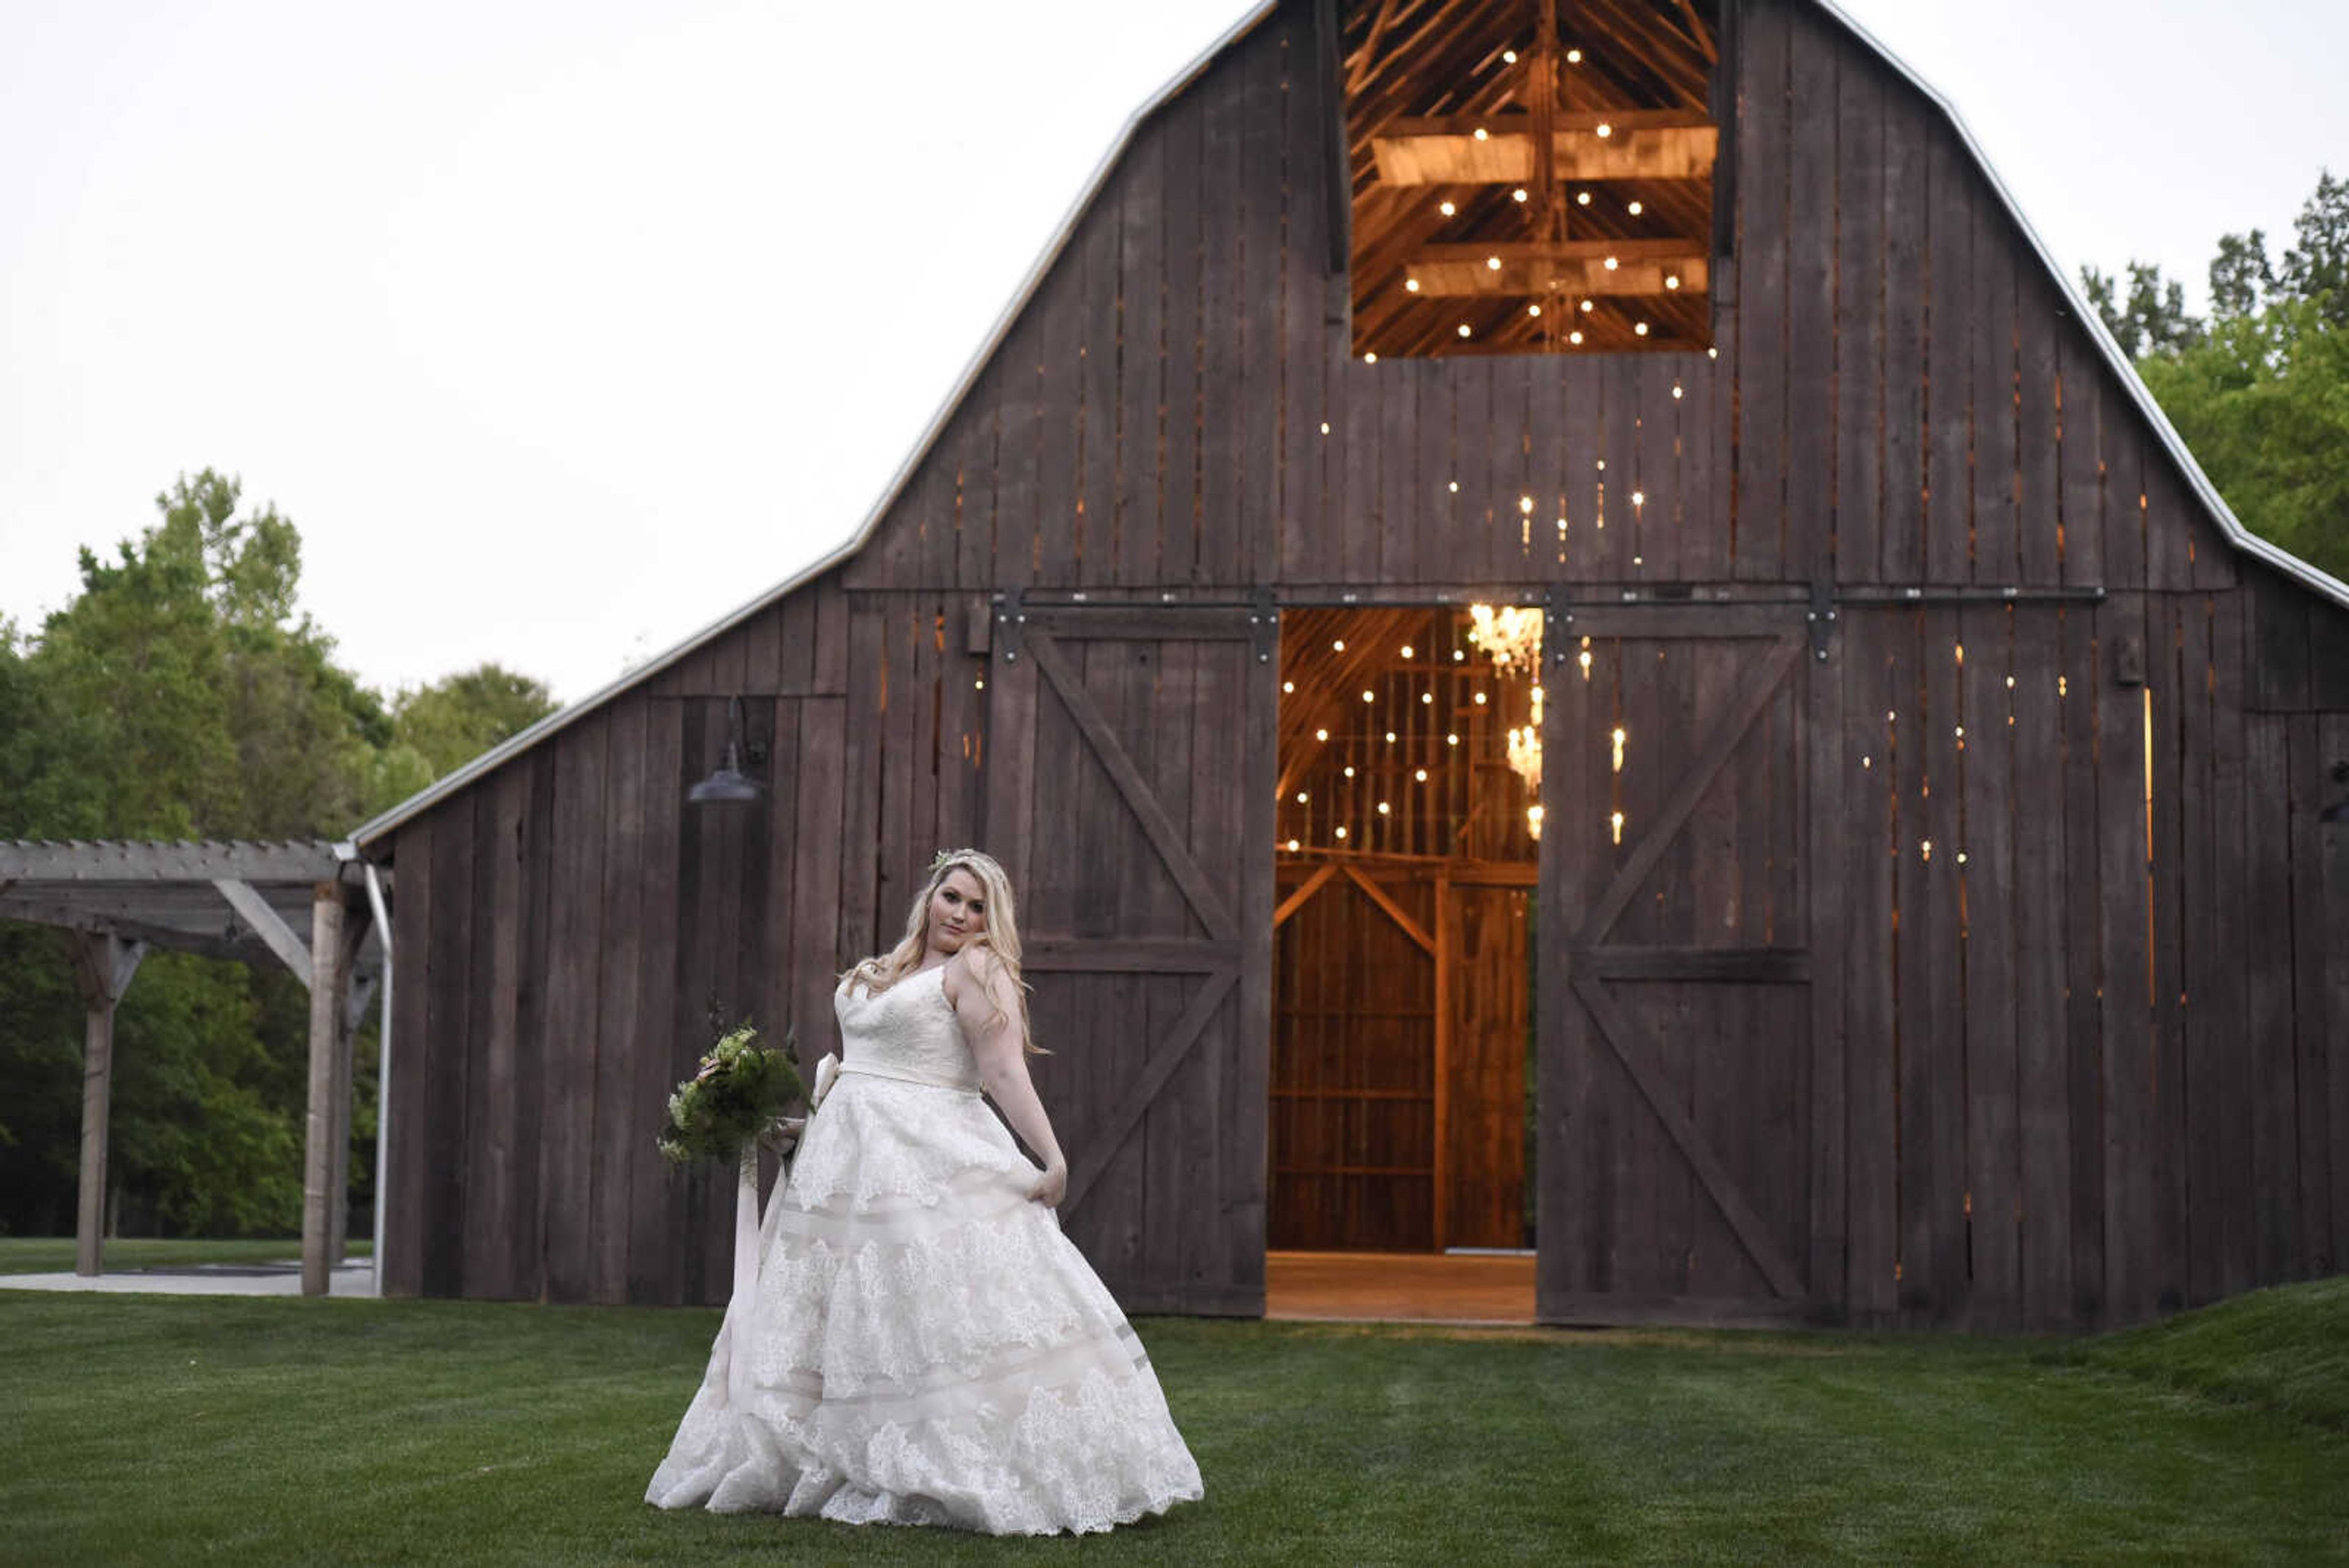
(738, 1092)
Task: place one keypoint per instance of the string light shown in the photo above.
(1604, 130)
(1640, 327)
(1614, 818)
(1301, 797)
(1713, 353)
(1341, 833)
(1390, 737)
(1575, 336)
(1633, 209)
(1349, 770)
(1619, 748)
(1339, 646)
(1611, 264)
(1371, 358)
(1455, 487)
(1383, 808)
(1480, 699)
(1584, 659)
(1289, 686)
(1446, 208)
(980, 684)
(1518, 194)
(1426, 697)
(1411, 286)
(1671, 280)
(1676, 392)
(1525, 503)
(1586, 307)
(1533, 310)
(1367, 697)
(1508, 56)
(1492, 263)
(1321, 735)
(1481, 134)
(1451, 740)
(1639, 498)
(1464, 329)
(1421, 774)
(1457, 656)
(1533, 820)
(1292, 847)
(1582, 198)
(1406, 650)
(1324, 427)
(1574, 56)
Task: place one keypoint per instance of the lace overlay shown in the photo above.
(925, 1346)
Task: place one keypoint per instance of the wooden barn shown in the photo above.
(1574, 642)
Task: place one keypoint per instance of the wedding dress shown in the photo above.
(924, 1346)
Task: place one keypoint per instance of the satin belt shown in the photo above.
(910, 1075)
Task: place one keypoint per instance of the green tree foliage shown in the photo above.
(184, 693)
(2262, 391)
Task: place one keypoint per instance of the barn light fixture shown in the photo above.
(729, 786)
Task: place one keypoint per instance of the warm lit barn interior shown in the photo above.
(1401, 1073)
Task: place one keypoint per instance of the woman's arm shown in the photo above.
(989, 1007)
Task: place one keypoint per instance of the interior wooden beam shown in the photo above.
(1578, 267)
(1636, 144)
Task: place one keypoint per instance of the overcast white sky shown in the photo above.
(562, 328)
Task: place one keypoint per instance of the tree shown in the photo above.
(441, 727)
(2151, 319)
(2261, 394)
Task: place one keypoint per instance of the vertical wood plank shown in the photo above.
(2043, 1110)
(1993, 1158)
(2077, 686)
(574, 954)
(655, 1252)
(1953, 335)
(1812, 423)
(1141, 488)
(1186, 332)
(1908, 161)
(2280, 1250)
(2039, 331)
(624, 1126)
(1872, 861)
(1859, 371)
(1764, 124)
(2131, 1238)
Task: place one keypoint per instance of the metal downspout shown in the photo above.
(382, 1070)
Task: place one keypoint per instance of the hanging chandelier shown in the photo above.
(1511, 636)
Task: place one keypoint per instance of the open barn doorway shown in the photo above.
(1401, 1078)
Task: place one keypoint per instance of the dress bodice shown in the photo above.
(910, 1029)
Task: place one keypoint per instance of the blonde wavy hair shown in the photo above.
(999, 943)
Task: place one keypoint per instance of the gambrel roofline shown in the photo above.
(2241, 537)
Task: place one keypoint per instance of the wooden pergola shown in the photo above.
(308, 905)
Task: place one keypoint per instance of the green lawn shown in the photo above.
(154, 1429)
(55, 1254)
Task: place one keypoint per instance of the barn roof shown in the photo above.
(2230, 525)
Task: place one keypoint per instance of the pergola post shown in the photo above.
(323, 1185)
(103, 965)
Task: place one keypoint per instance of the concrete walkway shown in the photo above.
(355, 1278)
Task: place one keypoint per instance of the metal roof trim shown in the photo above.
(424, 799)
(2241, 537)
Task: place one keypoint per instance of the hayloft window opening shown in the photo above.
(1535, 178)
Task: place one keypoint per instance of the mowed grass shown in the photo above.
(145, 1429)
(55, 1254)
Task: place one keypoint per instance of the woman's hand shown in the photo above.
(1052, 1186)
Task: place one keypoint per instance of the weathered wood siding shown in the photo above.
(2094, 1070)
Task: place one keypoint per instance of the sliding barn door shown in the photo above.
(1130, 781)
(1675, 1147)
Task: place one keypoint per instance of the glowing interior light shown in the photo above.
(1962, 732)
(1638, 560)
(1464, 329)
(1458, 654)
(1533, 310)
(1713, 353)
(1349, 770)
(1426, 697)
(1611, 264)
(1640, 327)
(1369, 358)
(1383, 808)
(1420, 774)
(1339, 646)
(1367, 697)
(1446, 208)
(1586, 307)
(2063, 687)
(1584, 659)
(1601, 465)
(1492, 263)
(1604, 130)
(1582, 198)
(1406, 650)
(1390, 737)
(1508, 56)
(1671, 280)
(1890, 717)
(1451, 740)
(1925, 848)
(980, 683)
(1411, 286)
(1534, 821)
(1480, 699)
(1961, 857)
(1575, 336)
(1321, 734)
(1676, 392)
(1481, 134)
(1324, 427)
(1302, 797)
(1634, 209)
(1341, 833)
(1292, 846)
(1518, 194)
(2010, 683)
(1639, 498)
(1868, 762)
(1615, 821)
(1619, 748)
(1525, 503)
(1455, 487)
(1574, 56)
(1289, 686)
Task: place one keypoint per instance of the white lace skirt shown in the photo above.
(925, 1346)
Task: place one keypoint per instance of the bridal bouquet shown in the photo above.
(739, 1091)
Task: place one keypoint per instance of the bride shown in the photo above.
(924, 1346)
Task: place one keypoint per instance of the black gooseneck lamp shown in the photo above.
(729, 786)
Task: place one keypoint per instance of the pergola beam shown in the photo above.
(115, 860)
(270, 927)
(103, 966)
